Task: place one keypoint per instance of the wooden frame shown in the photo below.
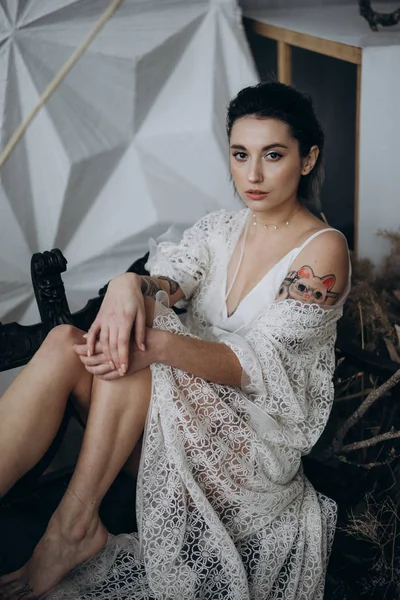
(287, 38)
(307, 42)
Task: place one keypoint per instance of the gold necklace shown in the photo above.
(287, 222)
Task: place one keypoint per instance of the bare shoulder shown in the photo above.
(319, 274)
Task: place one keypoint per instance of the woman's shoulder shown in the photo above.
(323, 262)
(321, 236)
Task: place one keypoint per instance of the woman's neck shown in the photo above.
(278, 216)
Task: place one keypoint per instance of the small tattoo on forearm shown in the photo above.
(173, 285)
(150, 286)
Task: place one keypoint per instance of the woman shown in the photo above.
(233, 399)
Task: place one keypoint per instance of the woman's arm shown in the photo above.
(212, 361)
(151, 285)
(320, 273)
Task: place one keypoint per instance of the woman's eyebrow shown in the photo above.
(264, 149)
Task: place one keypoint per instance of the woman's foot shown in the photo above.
(57, 553)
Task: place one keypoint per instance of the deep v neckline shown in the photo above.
(244, 229)
(227, 291)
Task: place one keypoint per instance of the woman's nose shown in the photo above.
(255, 173)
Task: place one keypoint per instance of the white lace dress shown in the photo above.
(224, 510)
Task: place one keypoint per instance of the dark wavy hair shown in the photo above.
(276, 100)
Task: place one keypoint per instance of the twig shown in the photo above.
(362, 409)
(352, 396)
(367, 466)
(53, 85)
(361, 326)
(395, 534)
(345, 383)
(375, 18)
(377, 439)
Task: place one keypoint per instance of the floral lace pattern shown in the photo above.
(224, 509)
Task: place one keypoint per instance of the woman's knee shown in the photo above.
(137, 386)
(62, 338)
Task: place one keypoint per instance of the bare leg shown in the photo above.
(117, 413)
(116, 419)
(33, 406)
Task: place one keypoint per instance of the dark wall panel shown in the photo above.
(265, 55)
(332, 85)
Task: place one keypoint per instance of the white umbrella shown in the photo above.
(131, 141)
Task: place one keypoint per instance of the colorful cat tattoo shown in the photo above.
(303, 285)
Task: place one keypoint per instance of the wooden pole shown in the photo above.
(284, 62)
(53, 85)
(357, 161)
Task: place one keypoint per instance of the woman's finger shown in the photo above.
(140, 328)
(100, 369)
(113, 342)
(80, 349)
(104, 341)
(98, 348)
(123, 349)
(92, 336)
(96, 359)
(109, 376)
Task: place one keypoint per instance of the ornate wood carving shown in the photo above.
(18, 344)
(46, 269)
(375, 18)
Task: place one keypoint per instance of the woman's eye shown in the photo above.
(274, 155)
(240, 155)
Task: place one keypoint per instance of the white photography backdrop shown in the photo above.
(132, 141)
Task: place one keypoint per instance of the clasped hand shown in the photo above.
(98, 364)
(115, 344)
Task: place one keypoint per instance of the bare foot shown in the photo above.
(54, 557)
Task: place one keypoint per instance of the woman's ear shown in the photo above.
(308, 162)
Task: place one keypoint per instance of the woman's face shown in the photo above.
(265, 163)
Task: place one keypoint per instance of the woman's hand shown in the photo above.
(98, 365)
(122, 309)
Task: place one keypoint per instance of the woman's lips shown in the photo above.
(256, 195)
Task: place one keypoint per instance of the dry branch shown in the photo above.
(353, 396)
(367, 466)
(377, 439)
(362, 409)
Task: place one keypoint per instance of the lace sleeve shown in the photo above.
(287, 357)
(294, 345)
(185, 261)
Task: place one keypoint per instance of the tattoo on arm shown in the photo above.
(150, 286)
(305, 286)
(173, 286)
